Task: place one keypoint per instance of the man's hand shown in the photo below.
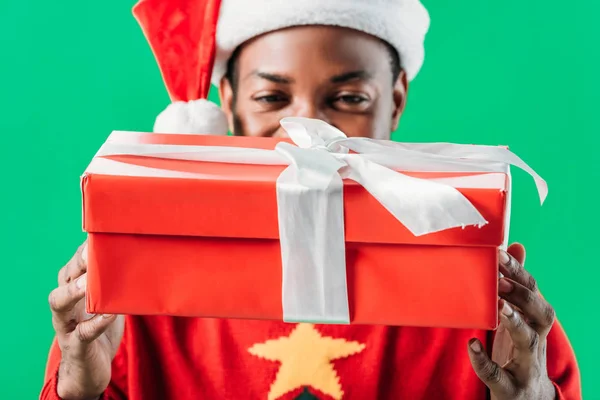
(517, 370)
(87, 343)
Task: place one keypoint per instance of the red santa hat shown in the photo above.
(192, 41)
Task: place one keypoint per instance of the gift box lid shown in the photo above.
(157, 196)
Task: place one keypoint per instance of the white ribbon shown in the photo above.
(310, 198)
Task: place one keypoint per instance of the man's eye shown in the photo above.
(351, 99)
(271, 98)
(351, 102)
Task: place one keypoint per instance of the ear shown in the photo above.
(226, 96)
(400, 92)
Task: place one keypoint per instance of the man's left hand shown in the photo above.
(517, 369)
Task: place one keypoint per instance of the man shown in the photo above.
(347, 62)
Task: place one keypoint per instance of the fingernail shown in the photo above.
(507, 310)
(504, 258)
(107, 316)
(84, 253)
(81, 282)
(475, 346)
(505, 286)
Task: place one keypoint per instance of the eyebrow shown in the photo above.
(360, 75)
(276, 78)
(342, 78)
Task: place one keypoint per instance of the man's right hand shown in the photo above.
(88, 343)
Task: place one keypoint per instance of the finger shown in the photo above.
(76, 267)
(517, 250)
(88, 331)
(511, 268)
(64, 298)
(538, 312)
(499, 381)
(525, 339)
(62, 302)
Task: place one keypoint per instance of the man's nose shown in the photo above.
(281, 133)
(309, 109)
(306, 109)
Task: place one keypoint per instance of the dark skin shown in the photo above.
(344, 78)
(337, 75)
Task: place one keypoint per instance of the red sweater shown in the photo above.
(164, 358)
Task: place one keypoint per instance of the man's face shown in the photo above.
(338, 75)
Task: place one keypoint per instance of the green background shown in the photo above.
(517, 73)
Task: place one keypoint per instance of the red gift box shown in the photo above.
(201, 238)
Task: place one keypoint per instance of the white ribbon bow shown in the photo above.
(310, 199)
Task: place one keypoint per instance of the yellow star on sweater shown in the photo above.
(305, 358)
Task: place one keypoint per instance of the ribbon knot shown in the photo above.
(335, 145)
(315, 134)
(321, 147)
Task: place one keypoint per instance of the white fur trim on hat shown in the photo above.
(201, 117)
(401, 23)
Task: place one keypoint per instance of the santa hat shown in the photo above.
(192, 41)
